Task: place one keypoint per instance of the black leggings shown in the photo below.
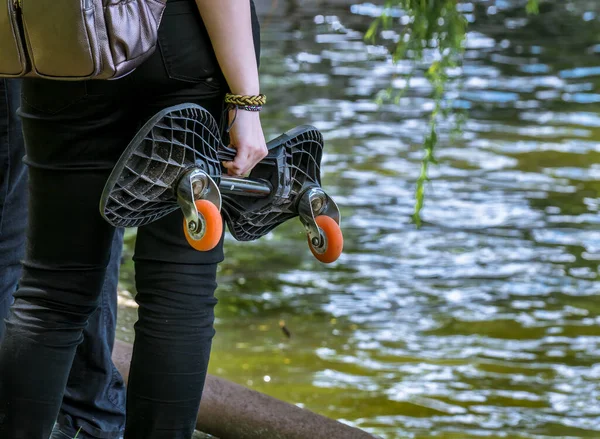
(75, 132)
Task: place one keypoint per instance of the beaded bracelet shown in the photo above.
(241, 102)
(248, 107)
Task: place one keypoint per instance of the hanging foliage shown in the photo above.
(425, 26)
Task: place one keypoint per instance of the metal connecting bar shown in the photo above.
(243, 186)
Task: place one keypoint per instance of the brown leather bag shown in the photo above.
(77, 39)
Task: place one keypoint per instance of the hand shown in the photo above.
(246, 136)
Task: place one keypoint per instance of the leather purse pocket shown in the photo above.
(132, 26)
(46, 31)
(13, 58)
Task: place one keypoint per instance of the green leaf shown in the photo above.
(372, 31)
(533, 7)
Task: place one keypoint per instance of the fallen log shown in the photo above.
(231, 411)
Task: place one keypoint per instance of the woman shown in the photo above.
(75, 132)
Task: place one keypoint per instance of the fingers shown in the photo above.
(247, 157)
(246, 136)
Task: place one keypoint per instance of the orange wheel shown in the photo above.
(212, 225)
(334, 240)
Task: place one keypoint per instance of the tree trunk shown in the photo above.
(231, 411)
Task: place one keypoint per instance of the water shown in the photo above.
(486, 321)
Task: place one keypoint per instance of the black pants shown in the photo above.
(74, 133)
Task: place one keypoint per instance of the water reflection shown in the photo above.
(485, 322)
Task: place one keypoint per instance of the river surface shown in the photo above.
(483, 323)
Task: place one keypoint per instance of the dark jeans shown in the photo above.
(75, 132)
(95, 395)
(13, 195)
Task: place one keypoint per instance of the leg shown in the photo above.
(72, 142)
(13, 195)
(174, 332)
(99, 404)
(94, 400)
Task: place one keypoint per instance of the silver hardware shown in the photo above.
(244, 186)
(315, 202)
(194, 185)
